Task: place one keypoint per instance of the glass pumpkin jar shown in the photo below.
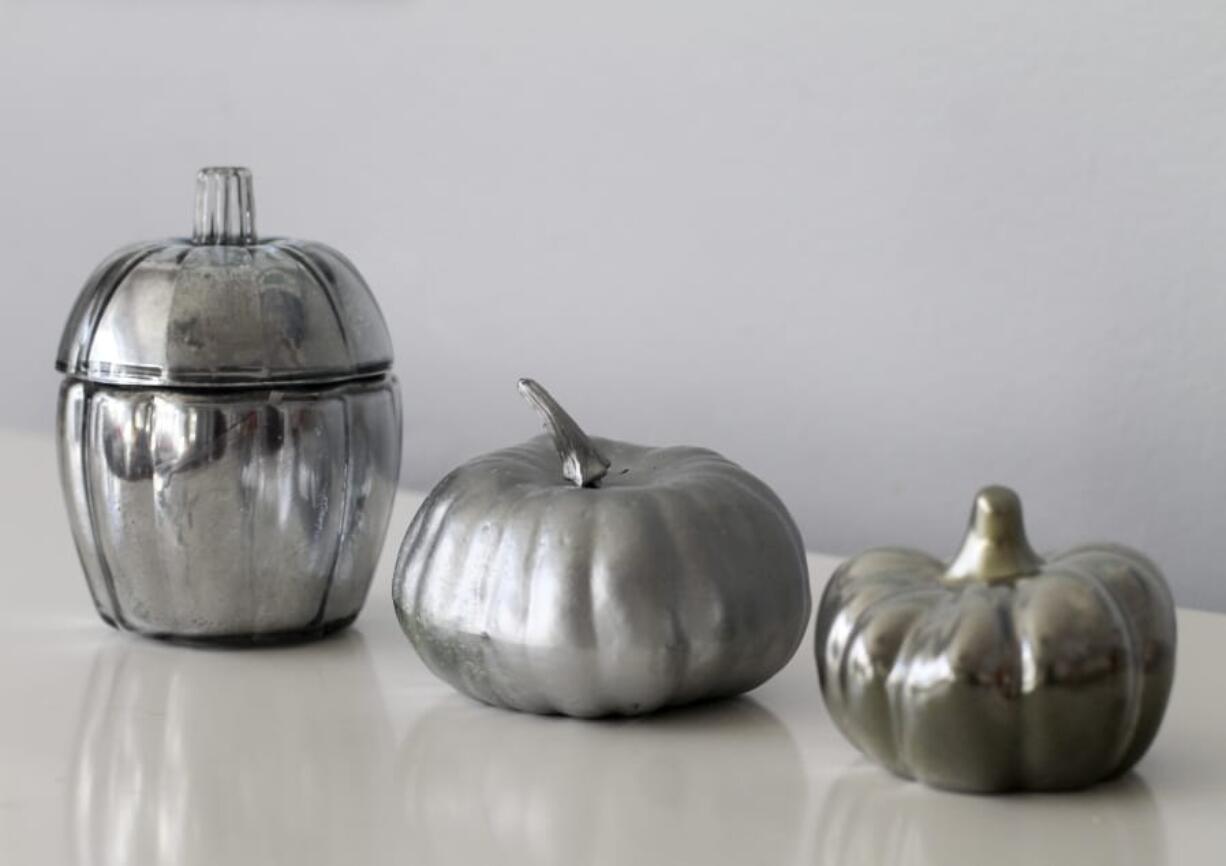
(229, 430)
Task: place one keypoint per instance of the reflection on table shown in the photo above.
(477, 783)
(870, 816)
(203, 756)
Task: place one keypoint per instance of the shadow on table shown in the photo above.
(722, 782)
(870, 816)
(202, 756)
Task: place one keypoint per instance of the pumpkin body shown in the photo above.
(681, 577)
(1002, 671)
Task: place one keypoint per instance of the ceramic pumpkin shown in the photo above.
(1001, 670)
(591, 577)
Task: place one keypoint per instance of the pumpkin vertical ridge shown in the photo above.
(1136, 693)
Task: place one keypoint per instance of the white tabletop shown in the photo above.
(119, 750)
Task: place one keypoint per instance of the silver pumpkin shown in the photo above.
(229, 431)
(1002, 670)
(591, 577)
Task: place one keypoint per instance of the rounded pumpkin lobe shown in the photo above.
(995, 547)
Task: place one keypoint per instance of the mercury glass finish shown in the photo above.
(1002, 670)
(229, 431)
(590, 577)
(222, 309)
(242, 517)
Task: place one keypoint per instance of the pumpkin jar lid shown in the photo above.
(225, 308)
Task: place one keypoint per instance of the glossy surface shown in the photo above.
(590, 577)
(348, 750)
(1000, 671)
(229, 516)
(229, 434)
(224, 308)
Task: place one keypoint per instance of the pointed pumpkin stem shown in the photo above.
(582, 464)
(995, 547)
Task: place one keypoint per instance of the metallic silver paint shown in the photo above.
(1002, 671)
(229, 436)
(678, 577)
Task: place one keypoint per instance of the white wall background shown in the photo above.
(880, 253)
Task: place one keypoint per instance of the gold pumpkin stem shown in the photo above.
(582, 464)
(995, 547)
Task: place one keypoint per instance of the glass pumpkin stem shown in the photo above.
(995, 547)
(225, 207)
(582, 463)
